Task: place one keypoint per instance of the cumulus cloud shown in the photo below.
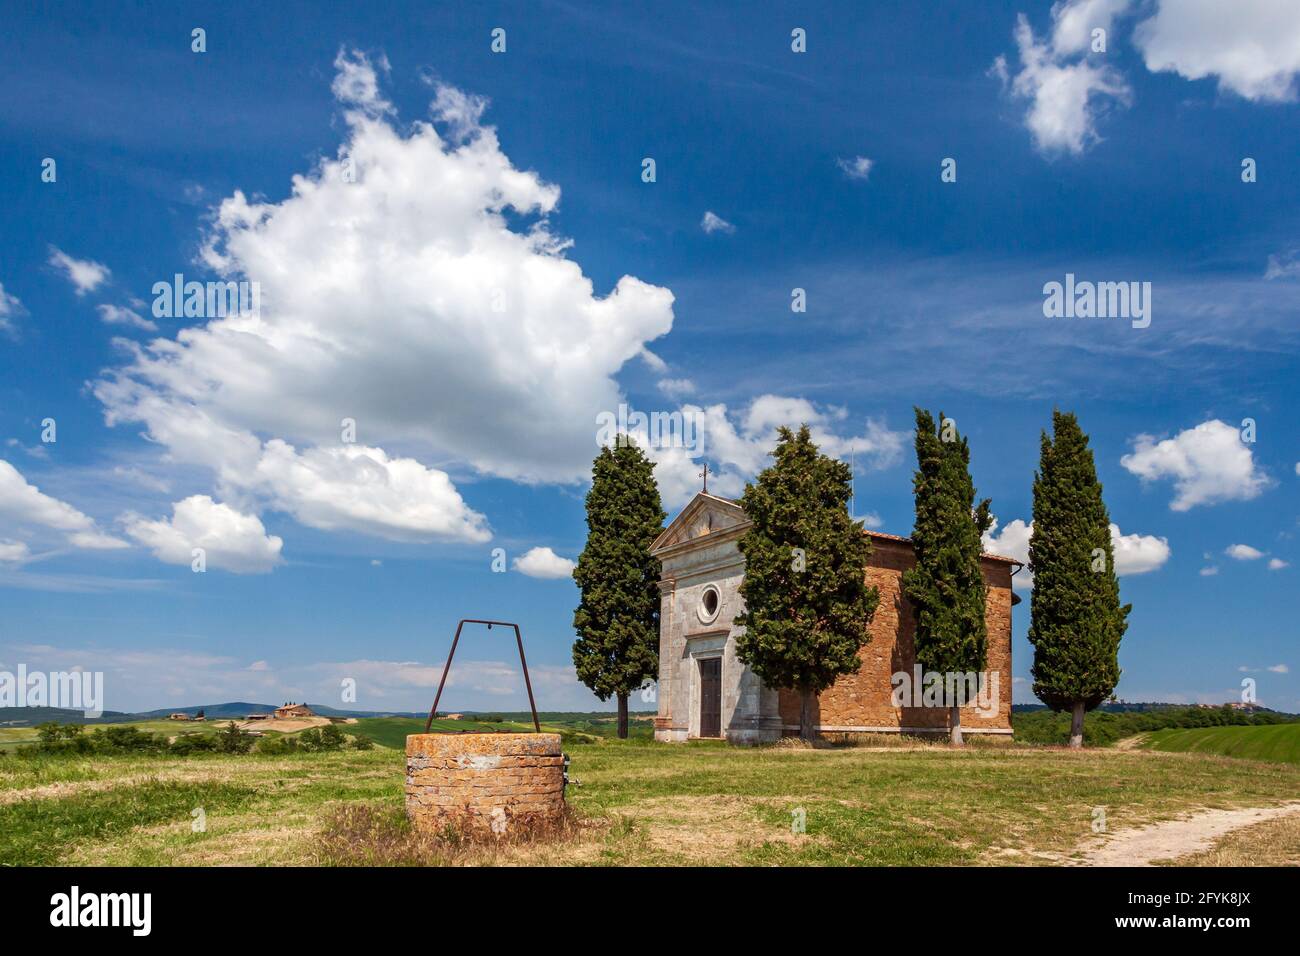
(399, 267)
(859, 167)
(1073, 22)
(1251, 47)
(118, 315)
(1209, 572)
(1277, 564)
(1012, 542)
(1208, 464)
(1138, 553)
(85, 275)
(544, 563)
(362, 489)
(230, 540)
(712, 223)
(1134, 553)
(1243, 552)
(1066, 91)
(24, 503)
(737, 445)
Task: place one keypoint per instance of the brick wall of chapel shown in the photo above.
(863, 699)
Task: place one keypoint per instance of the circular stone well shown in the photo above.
(487, 781)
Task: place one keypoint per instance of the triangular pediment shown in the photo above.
(704, 517)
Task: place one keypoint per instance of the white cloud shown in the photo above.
(24, 503)
(1252, 47)
(1209, 572)
(1208, 464)
(1065, 95)
(362, 489)
(1279, 669)
(14, 551)
(356, 83)
(117, 315)
(1277, 564)
(871, 520)
(230, 540)
(544, 563)
(1283, 265)
(462, 336)
(712, 223)
(9, 308)
(1138, 553)
(1012, 542)
(737, 450)
(1243, 552)
(84, 274)
(1134, 553)
(859, 167)
(1075, 21)
(681, 387)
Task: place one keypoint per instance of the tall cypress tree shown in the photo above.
(807, 603)
(617, 618)
(1076, 622)
(946, 586)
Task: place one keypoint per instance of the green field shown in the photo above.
(637, 803)
(1279, 742)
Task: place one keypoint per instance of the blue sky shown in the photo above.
(496, 273)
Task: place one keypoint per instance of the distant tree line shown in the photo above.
(53, 738)
(1106, 727)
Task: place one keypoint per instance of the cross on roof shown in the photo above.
(705, 475)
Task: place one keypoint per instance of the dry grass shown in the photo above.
(378, 834)
(1271, 843)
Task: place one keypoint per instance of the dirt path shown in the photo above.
(1175, 838)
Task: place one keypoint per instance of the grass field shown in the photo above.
(638, 803)
(1279, 742)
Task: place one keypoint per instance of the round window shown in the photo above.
(710, 604)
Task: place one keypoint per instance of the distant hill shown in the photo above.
(224, 711)
(30, 716)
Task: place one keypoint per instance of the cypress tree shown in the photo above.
(617, 619)
(946, 586)
(1076, 622)
(807, 603)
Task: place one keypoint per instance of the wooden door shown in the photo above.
(711, 697)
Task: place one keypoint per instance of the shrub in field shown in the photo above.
(277, 746)
(232, 740)
(187, 744)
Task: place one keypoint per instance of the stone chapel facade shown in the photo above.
(705, 691)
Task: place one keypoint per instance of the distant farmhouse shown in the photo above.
(291, 709)
(706, 691)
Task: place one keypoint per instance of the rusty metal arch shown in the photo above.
(447, 667)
